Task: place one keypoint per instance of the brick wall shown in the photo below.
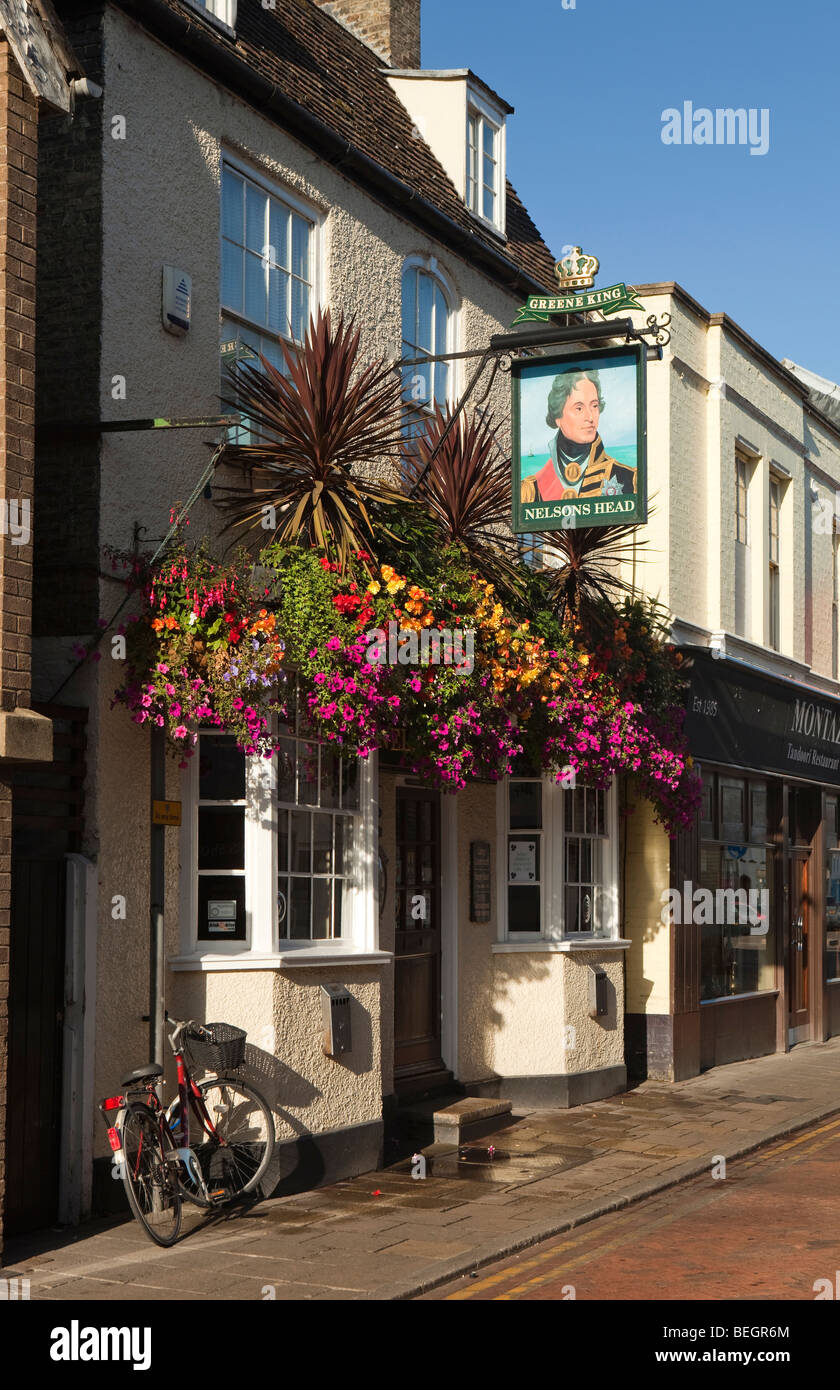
(392, 27)
(66, 598)
(18, 172)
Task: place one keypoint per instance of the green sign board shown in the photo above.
(579, 439)
(611, 300)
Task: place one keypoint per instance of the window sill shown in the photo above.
(592, 943)
(280, 960)
(492, 227)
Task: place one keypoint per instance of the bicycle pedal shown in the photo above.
(219, 1194)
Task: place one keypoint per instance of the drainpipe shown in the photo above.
(157, 890)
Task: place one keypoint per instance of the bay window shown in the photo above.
(276, 854)
(558, 861)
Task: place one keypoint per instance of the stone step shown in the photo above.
(471, 1118)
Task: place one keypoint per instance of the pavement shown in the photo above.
(388, 1235)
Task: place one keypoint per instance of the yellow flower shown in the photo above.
(584, 660)
(374, 586)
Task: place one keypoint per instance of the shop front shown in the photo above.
(766, 918)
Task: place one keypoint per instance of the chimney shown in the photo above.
(390, 27)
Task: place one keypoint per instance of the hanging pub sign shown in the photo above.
(575, 279)
(578, 439)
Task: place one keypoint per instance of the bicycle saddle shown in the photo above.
(146, 1073)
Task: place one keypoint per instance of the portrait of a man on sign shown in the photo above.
(578, 430)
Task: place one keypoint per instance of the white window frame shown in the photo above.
(221, 12)
(430, 266)
(262, 945)
(553, 858)
(294, 204)
(480, 110)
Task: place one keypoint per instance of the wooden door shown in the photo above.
(417, 949)
(36, 1003)
(799, 1021)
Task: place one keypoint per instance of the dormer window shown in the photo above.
(483, 166)
(464, 122)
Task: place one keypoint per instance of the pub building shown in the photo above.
(759, 974)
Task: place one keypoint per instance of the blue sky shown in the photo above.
(754, 236)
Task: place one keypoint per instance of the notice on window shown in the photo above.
(522, 864)
(221, 916)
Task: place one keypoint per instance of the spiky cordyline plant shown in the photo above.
(466, 490)
(319, 429)
(583, 583)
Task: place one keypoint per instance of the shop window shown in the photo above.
(734, 907)
(559, 861)
(832, 888)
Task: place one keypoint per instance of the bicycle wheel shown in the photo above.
(234, 1159)
(151, 1182)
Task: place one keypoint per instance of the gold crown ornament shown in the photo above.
(577, 271)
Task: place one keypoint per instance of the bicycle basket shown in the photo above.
(220, 1048)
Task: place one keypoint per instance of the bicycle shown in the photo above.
(158, 1164)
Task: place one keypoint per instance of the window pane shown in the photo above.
(441, 382)
(525, 799)
(300, 900)
(283, 908)
(221, 908)
(440, 320)
(409, 310)
(278, 228)
(283, 840)
(573, 860)
(489, 141)
(350, 785)
(285, 759)
(278, 301)
(232, 272)
(524, 909)
(255, 209)
(221, 769)
(489, 204)
(256, 297)
(321, 905)
(221, 837)
(330, 777)
(300, 247)
(301, 842)
(300, 310)
(343, 843)
(425, 306)
(322, 844)
(338, 903)
(232, 205)
(307, 774)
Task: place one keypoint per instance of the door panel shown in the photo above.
(417, 938)
(799, 1023)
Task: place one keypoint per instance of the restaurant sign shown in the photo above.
(745, 719)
